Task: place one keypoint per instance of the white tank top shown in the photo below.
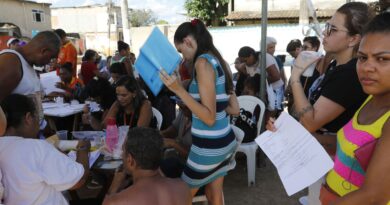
(29, 85)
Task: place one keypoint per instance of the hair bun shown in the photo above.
(194, 22)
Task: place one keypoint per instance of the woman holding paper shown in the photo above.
(335, 96)
(210, 98)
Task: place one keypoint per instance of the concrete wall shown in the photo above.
(228, 40)
(91, 22)
(255, 5)
(88, 19)
(20, 13)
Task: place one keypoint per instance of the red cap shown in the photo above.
(111, 121)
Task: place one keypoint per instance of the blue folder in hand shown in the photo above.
(157, 53)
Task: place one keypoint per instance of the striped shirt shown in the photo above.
(347, 175)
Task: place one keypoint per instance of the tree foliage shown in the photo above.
(210, 11)
(142, 17)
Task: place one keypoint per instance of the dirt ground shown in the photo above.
(268, 189)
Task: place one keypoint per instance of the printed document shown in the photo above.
(297, 155)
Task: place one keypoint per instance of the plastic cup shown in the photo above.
(62, 134)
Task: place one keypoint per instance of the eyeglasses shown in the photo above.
(329, 29)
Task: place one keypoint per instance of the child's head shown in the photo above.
(252, 86)
(66, 72)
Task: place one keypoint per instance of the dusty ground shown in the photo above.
(268, 189)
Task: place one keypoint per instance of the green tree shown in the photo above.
(210, 11)
(162, 22)
(142, 17)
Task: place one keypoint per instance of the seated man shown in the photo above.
(141, 157)
(34, 171)
(177, 136)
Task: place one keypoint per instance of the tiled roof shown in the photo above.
(281, 14)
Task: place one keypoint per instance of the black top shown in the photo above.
(308, 81)
(341, 85)
(131, 119)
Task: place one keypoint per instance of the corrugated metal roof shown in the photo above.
(281, 14)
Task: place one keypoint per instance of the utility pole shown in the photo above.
(125, 22)
(109, 3)
(264, 20)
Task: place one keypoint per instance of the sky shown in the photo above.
(169, 10)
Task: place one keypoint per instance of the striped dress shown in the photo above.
(211, 146)
(347, 175)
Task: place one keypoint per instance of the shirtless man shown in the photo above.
(141, 158)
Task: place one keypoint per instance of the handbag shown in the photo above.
(364, 153)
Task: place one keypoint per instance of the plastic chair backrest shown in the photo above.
(239, 137)
(249, 104)
(158, 116)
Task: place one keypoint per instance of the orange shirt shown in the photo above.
(68, 53)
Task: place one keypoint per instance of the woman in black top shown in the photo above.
(131, 108)
(336, 98)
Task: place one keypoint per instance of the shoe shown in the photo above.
(303, 200)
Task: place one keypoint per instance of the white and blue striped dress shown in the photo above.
(211, 146)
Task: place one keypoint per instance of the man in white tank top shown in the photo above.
(16, 67)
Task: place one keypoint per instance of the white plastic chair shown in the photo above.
(158, 116)
(249, 103)
(232, 163)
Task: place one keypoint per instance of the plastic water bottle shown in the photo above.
(111, 134)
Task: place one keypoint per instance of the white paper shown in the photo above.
(61, 110)
(93, 156)
(48, 81)
(297, 155)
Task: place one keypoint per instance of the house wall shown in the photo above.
(91, 22)
(255, 5)
(20, 13)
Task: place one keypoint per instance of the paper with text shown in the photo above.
(297, 155)
(48, 81)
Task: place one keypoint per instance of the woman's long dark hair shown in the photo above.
(204, 40)
(131, 85)
(102, 89)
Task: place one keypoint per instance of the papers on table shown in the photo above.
(48, 81)
(157, 53)
(297, 155)
(93, 156)
(61, 109)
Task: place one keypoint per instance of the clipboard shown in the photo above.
(157, 53)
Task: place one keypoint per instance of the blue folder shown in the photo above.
(156, 53)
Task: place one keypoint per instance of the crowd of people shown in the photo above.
(341, 97)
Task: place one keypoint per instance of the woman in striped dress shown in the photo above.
(211, 99)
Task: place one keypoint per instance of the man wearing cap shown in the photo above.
(13, 43)
(68, 53)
